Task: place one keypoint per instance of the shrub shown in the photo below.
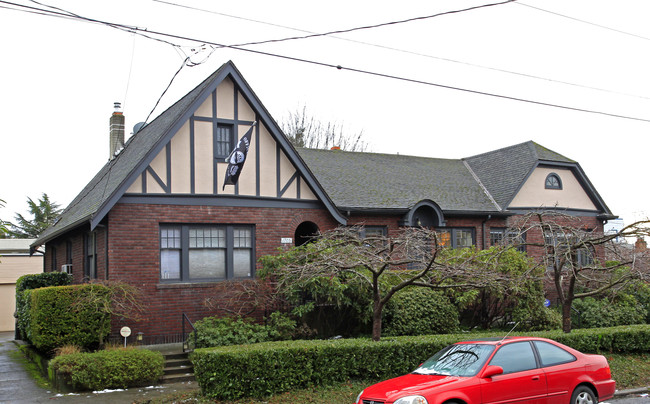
(259, 370)
(262, 369)
(624, 309)
(109, 369)
(215, 331)
(34, 281)
(420, 311)
(59, 316)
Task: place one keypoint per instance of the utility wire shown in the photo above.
(342, 31)
(376, 74)
(330, 34)
(586, 22)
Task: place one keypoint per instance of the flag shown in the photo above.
(237, 158)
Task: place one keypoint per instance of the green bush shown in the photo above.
(215, 331)
(420, 311)
(623, 309)
(259, 370)
(68, 315)
(34, 281)
(109, 369)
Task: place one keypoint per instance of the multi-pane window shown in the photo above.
(206, 252)
(561, 243)
(373, 231)
(170, 252)
(456, 237)
(499, 235)
(224, 140)
(553, 181)
(496, 235)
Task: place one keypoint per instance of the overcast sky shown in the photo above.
(458, 74)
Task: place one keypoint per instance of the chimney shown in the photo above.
(116, 139)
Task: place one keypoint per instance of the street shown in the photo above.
(631, 399)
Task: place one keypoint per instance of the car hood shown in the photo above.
(410, 384)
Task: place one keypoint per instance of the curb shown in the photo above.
(627, 392)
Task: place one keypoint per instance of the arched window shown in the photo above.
(553, 181)
(306, 233)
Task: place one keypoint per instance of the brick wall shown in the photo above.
(134, 255)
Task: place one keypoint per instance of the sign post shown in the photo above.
(125, 332)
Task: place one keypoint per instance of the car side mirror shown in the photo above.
(492, 371)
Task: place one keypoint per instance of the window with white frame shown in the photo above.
(195, 253)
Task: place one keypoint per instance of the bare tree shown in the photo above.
(411, 257)
(304, 130)
(579, 261)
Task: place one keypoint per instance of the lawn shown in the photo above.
(629, 371)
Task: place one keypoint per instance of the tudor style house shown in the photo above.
(157, 216)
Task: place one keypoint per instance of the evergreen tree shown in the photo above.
(44, 212)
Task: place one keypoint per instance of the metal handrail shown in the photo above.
(186, 344)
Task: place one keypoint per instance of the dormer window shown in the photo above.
(553, 181)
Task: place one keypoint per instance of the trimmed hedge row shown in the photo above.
(68, 315)
(24, 285)
(258, 370)
(109, 369)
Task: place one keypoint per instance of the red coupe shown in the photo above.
(509, 370)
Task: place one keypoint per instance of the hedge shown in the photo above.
(259, 370)
(24, 285)
(69, 315)
(109, 369)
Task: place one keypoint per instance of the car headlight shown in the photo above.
(358, 397)
(412, 400)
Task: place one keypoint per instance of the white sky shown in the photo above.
(59, 79)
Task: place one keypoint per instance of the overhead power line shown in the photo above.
(339, 67)
(586, 22)
(331, 34)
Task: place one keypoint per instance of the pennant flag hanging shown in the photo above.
(237, 158)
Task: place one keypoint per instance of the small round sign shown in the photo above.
(125, 331)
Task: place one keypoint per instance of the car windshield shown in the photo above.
(457, 360)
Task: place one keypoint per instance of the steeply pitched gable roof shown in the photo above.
(382, 182)
(94, 202)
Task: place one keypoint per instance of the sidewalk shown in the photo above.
(18, 386)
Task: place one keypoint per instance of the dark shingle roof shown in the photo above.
(503, 171)
(112, 177)
(358, 180)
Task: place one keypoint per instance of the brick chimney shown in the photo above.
(640, 245)
(116, 139)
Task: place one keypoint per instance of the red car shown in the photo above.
(509, 370)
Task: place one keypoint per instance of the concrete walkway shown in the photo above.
(18, 386)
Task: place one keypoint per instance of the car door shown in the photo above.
(522, 380)
(561, 369)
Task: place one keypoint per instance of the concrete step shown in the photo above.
(178, 368)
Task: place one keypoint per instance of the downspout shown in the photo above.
(105, 250)
(483, 230)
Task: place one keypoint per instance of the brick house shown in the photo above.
(156, 215)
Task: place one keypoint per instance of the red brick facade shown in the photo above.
(132, 251)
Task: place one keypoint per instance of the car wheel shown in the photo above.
(583, 395)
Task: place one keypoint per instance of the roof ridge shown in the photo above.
(498, 150)
(480, 183)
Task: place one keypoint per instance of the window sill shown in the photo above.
(183, 285)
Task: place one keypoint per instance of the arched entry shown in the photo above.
(305, 232)
(426, 214)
